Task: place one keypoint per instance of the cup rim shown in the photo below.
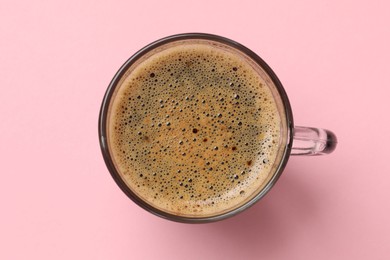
(102, 131)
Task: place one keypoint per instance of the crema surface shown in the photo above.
(194, 130)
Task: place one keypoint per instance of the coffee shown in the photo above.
(194, 129)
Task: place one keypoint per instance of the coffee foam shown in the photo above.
(194, 130)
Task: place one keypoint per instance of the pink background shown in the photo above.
(57, 198)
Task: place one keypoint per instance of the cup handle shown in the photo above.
(313, 141)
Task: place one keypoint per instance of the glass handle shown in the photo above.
(313, 141)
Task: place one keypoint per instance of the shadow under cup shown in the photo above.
(226, 45)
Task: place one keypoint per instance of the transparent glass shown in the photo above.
(294, 140)
(313, 141)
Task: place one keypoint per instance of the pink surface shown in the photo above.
(57, 198)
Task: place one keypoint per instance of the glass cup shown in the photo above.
(295, 140)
